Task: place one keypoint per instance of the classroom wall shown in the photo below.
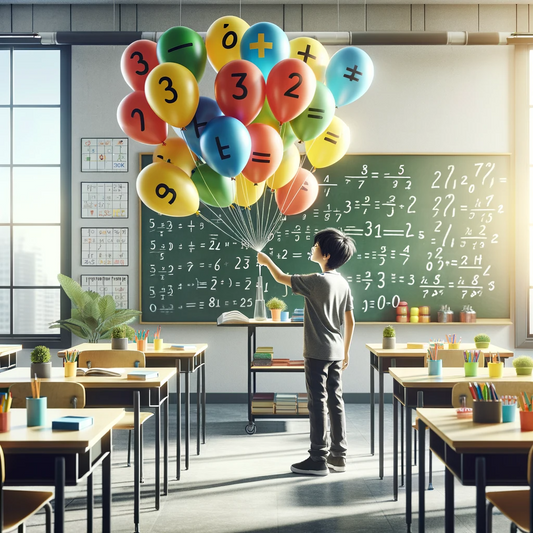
(423, 99)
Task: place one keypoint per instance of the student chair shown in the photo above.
(119, 359)
(16, 506)
(59, 395)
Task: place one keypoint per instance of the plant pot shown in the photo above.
(276, 315)
(389, 343)
(523, 370)
(119, 344)
(42, 370)
(482, 344)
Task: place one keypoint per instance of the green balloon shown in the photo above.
(266, 117)
(214, 190)
(287, 135)
(317, 116)
(183, 46)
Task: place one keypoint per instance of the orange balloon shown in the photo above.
(176, 152)
(299, 194)
(266, 155)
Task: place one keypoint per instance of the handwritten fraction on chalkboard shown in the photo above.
(429, 229)
(104, 154)
(104, 246)
(104, 199)
(116, 286)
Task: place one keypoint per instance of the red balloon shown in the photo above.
(299, 194)
(290, 88)
(240, 90)
(266, 155)
(138, 121)
(137, 62)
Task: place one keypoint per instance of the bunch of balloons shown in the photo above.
(269, 92)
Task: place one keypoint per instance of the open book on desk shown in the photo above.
(232, 317)
(100, 372)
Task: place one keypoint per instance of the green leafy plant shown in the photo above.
(481, 338)
(389, 332)
(123, 332)
(523, 361)
(93, 316)
(276, 303)
(40, 354)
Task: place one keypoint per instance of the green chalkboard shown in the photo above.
(429, 229)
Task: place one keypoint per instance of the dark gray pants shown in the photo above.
(324, 393)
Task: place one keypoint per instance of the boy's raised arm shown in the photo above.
(276, 272)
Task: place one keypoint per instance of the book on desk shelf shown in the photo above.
(100, 372)
(183, 346)
(143, 375)
(232, 317)
(72, 423)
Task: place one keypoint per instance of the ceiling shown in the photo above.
(292, 2)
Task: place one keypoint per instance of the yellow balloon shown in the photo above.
(266, 117)
(176, 152)
(247, 193)
(287, 169)
(330, 145)
(313, 53)
(223, 40)
(166, 189)
(172, 92)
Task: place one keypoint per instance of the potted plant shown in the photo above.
(40, 362)
(276, 306)
(120, 336)
(523, 365)
(389, 338)
(93, 316)
(482, 341)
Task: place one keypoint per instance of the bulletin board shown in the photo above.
(104, 246)
(116, 286)
(107, 154)
(104, 199)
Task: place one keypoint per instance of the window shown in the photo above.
(34, 193)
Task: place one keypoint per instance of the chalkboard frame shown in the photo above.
(147, 156)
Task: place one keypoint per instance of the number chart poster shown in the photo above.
(104, 246)
(115, 286)
(104, 154)
(429, 229)
(104, 199)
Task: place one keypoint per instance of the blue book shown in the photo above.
(187, 347)
(143, 375)
(72, 423)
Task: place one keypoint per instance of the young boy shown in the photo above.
(328, 310)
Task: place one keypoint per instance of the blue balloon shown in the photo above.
(264, 44)
(207, 110)
(349, 74)
(226, 145)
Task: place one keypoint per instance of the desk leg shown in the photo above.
(198, 424)
(402, 450)
(137, 460)
(166, 406)
(421, 476)
(449, 503)
(481, 517)
(178, 420)
(90, 503)
(204, 398)
(408, 468)
(106, 487)
(372, 400)
(395, 448)
(157, 457)
(59, 497)
(187, 417)
(381, 415)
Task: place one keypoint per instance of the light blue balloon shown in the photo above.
(349, 74)
(264, 44)
(226, 145)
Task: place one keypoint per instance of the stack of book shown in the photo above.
(263, 403)
(296, 362)
(263, 356)
(302, 403)
(298, 315)
(286, 403)
(280, 362)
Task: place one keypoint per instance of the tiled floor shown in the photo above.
(243, 483)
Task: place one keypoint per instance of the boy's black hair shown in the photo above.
(339, 246)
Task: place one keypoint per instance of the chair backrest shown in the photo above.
(503, 388)
(455, 358)
(111, 359)
(58, 394)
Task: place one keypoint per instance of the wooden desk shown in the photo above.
(8, 356)
(476, 454)
(185, 362)
(121, 392)
(31, 454)
(381, 360)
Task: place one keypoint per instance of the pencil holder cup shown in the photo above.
(454, 345)
(5, 422)
(526, 420)
(435, 367)
(70, 369)
(284, 316)
(36, 411)
(508, 413)
(495, 370)
(158, 344)
(470, 370)
(142, 345)
(487, 412)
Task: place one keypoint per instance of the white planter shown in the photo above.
(389, 343)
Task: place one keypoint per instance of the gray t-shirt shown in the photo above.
(327, 298)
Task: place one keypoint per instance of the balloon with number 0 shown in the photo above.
(223, 40)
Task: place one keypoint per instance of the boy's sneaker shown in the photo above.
(310, 468)
(338, 464)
